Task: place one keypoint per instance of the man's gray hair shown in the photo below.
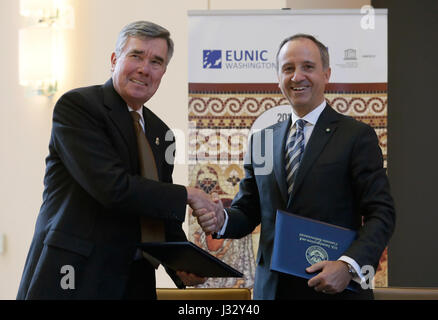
(322, 48)
(144, 30)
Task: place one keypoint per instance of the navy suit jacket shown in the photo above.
(94, 196)
(341, 180)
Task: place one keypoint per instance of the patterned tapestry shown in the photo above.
(220, 118)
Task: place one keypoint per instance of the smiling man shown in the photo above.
(138, 69)
(303, 72)
(327, 166)
(108, 185)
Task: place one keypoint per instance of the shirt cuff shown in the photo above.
(358, 277)
(224, 227)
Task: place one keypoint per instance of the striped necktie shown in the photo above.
(294, 151)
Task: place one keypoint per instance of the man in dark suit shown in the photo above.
(88, 228)
(326, 166)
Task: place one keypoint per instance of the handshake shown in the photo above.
(208, 210)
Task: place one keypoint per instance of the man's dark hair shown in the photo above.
(322, 48)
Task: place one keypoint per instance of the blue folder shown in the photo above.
(300, 242)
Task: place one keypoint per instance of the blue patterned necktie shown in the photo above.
(294, 151)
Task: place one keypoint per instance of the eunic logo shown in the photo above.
(212, 59)
(237, 59)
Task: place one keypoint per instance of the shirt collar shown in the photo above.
(312, 116)
(139, 111)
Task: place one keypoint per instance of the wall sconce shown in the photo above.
(40, 44)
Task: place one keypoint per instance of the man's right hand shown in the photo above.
(211, 221)
(208, 210)
(198, 199)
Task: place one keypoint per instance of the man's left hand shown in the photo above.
(190, 279)
(333, 276)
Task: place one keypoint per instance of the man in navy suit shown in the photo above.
(88, 227)
(340, 180)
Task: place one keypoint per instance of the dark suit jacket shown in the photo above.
(341, 180)
(94, 196)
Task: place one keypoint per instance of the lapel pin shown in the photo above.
(157, 141)
(327, 130)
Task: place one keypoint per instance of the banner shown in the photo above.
(233, 81)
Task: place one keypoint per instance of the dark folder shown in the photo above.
(188, 257)
(300, 242)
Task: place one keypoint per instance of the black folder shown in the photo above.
(188, 257)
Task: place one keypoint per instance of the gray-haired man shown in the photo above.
(98, 191)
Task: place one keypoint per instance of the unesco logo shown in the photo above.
(212, 59)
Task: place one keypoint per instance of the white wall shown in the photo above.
(25, 121)
(25, 126)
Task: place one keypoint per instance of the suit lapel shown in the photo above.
(323, 131)
(280, 134)
(119, 114)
